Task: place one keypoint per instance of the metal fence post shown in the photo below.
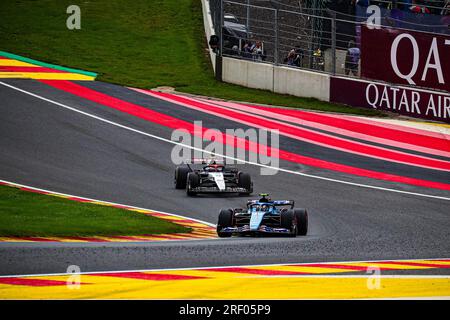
(275, 55)
(333, 42)
(248, 17)
(221, 28)
(219, 57)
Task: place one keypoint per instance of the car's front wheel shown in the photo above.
(181, 173)
(289, 221)
(245, 181)
(193, 181)
(302, 221)
(225, 221)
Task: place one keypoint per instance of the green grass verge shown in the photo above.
(26, 214)
(140, 43)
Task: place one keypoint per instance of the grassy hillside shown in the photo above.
(141, 43)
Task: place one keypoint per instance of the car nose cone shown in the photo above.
(255, 220)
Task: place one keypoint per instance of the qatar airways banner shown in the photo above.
(406, 57)
(418, 103)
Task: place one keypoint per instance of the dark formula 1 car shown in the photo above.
(212, 177)
(263, 216)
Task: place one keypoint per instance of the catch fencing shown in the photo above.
(308, 34)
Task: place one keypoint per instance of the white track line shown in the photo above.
(299, 137)
(328, 128)
(224, 156)
(357, 276)
(107, 202)
(234, 266)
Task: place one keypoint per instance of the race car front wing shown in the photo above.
(217, 190)
(261, 229)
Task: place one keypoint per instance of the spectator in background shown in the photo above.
(235, 50)
(257, 51)
(352, 59)
(214, 43)
(299, 55)
(290, 58)
(294, 57)
(418, 7)
(246, 49)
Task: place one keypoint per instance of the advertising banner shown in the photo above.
(418, 103)
(406, 57)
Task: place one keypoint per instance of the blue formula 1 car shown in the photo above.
(263, 216)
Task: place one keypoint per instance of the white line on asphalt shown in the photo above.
(236, 266)
(224, 156)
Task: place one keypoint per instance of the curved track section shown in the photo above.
(91, 145)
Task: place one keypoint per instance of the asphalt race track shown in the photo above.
(46, 145)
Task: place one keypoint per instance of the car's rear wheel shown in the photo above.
(181, 173)
(288, 221)
(245, 181)
(225, 221)
(193, 181)
(302, 221)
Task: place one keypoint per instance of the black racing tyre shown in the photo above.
(288, 221)
(181, 173)
(193, 181)
(225, 220)
(245, 181)
(302, 221)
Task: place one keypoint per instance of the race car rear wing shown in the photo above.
(284, 203)
(274, 202)
(204, 161)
